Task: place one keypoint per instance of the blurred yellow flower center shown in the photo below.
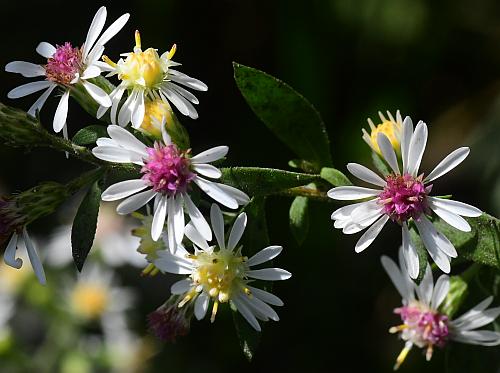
(218, 272)
(12, 279)
(388, 128)
(90, 300)
(156, 110)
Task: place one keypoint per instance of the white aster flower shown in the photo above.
(148, 76)
(403, 196)
(167, 175)
(222, 274)
(424, 325)
(390, 126)
(67, 66)
(94, 296)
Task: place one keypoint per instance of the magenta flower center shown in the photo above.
(423, 327)
(404, 197)
(167, 170)
(64, 64)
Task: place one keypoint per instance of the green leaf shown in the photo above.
(255, 239)
(90, 134)
(299, 218)
(481, 244)
(334, 176)
(263, 181)
(380, 164)
(286, 113)
(85, 224)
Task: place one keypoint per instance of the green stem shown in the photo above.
(305, 191)
(85, 179)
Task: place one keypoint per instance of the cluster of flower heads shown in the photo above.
(170, 176)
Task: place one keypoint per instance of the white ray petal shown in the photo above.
(366, 211)
(436, 238)
(262, 308)
(9, 256)
(97, 93)
(265, 255)
(113, 29)
(135, 202)
(178, 218)
(180, 287)
(207, 170)
(61, 113)
(117, 154)
(38, 104)
(28, 89)
(125, 139)
(440, 291)
(456, 207)
(210, 155)
(426, 287)
(397, 278)
(201, 306)
(240, 197)
(197, 218)
(139, 110)
(407, 133)
(159, 219)
(181, 91)
(472, 313)
(91, 72)
(125, 114)
(123, 189)
(387, 150)
(94, 30)
(365, 174)
(451, 161)
(439, 257)
(237, 231)
(217, 221)
(36, 263)
(167, 262)
(269, 274)
(218, 194)
(477, 337)
(369, 236)
(26, 69)
(417, 148)
(184, 106)
(195, 237)
(45, 49)
(349, 193)
(186, 80)
(410, 253)
(266, 296)
(246, 313)
(345, 211)
(452, 219)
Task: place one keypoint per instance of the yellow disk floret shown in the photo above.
(90, 300)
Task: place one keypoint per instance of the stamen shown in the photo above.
(146, 271)
(428, 353)
(108, 61)
(137, 39)
(172, 51)
(214, 311)
(397, 329)
(402, 356)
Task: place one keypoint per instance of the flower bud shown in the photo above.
(169, 321)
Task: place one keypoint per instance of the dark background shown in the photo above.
(438, 61)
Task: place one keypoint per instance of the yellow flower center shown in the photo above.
(143, 68)
(156, 110)
(219, 273)
(90, 300)
(389, 129)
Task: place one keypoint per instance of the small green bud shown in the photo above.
(456, 296)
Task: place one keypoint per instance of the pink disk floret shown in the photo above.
(167, 170)
(404, 197)
(64, 64)
(430, 327)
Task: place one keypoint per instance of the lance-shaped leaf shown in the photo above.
(89, 135)
(286, 113)
(299, 218)
(85, 224)
(263, 181)
(334, 176)
(254, 239)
